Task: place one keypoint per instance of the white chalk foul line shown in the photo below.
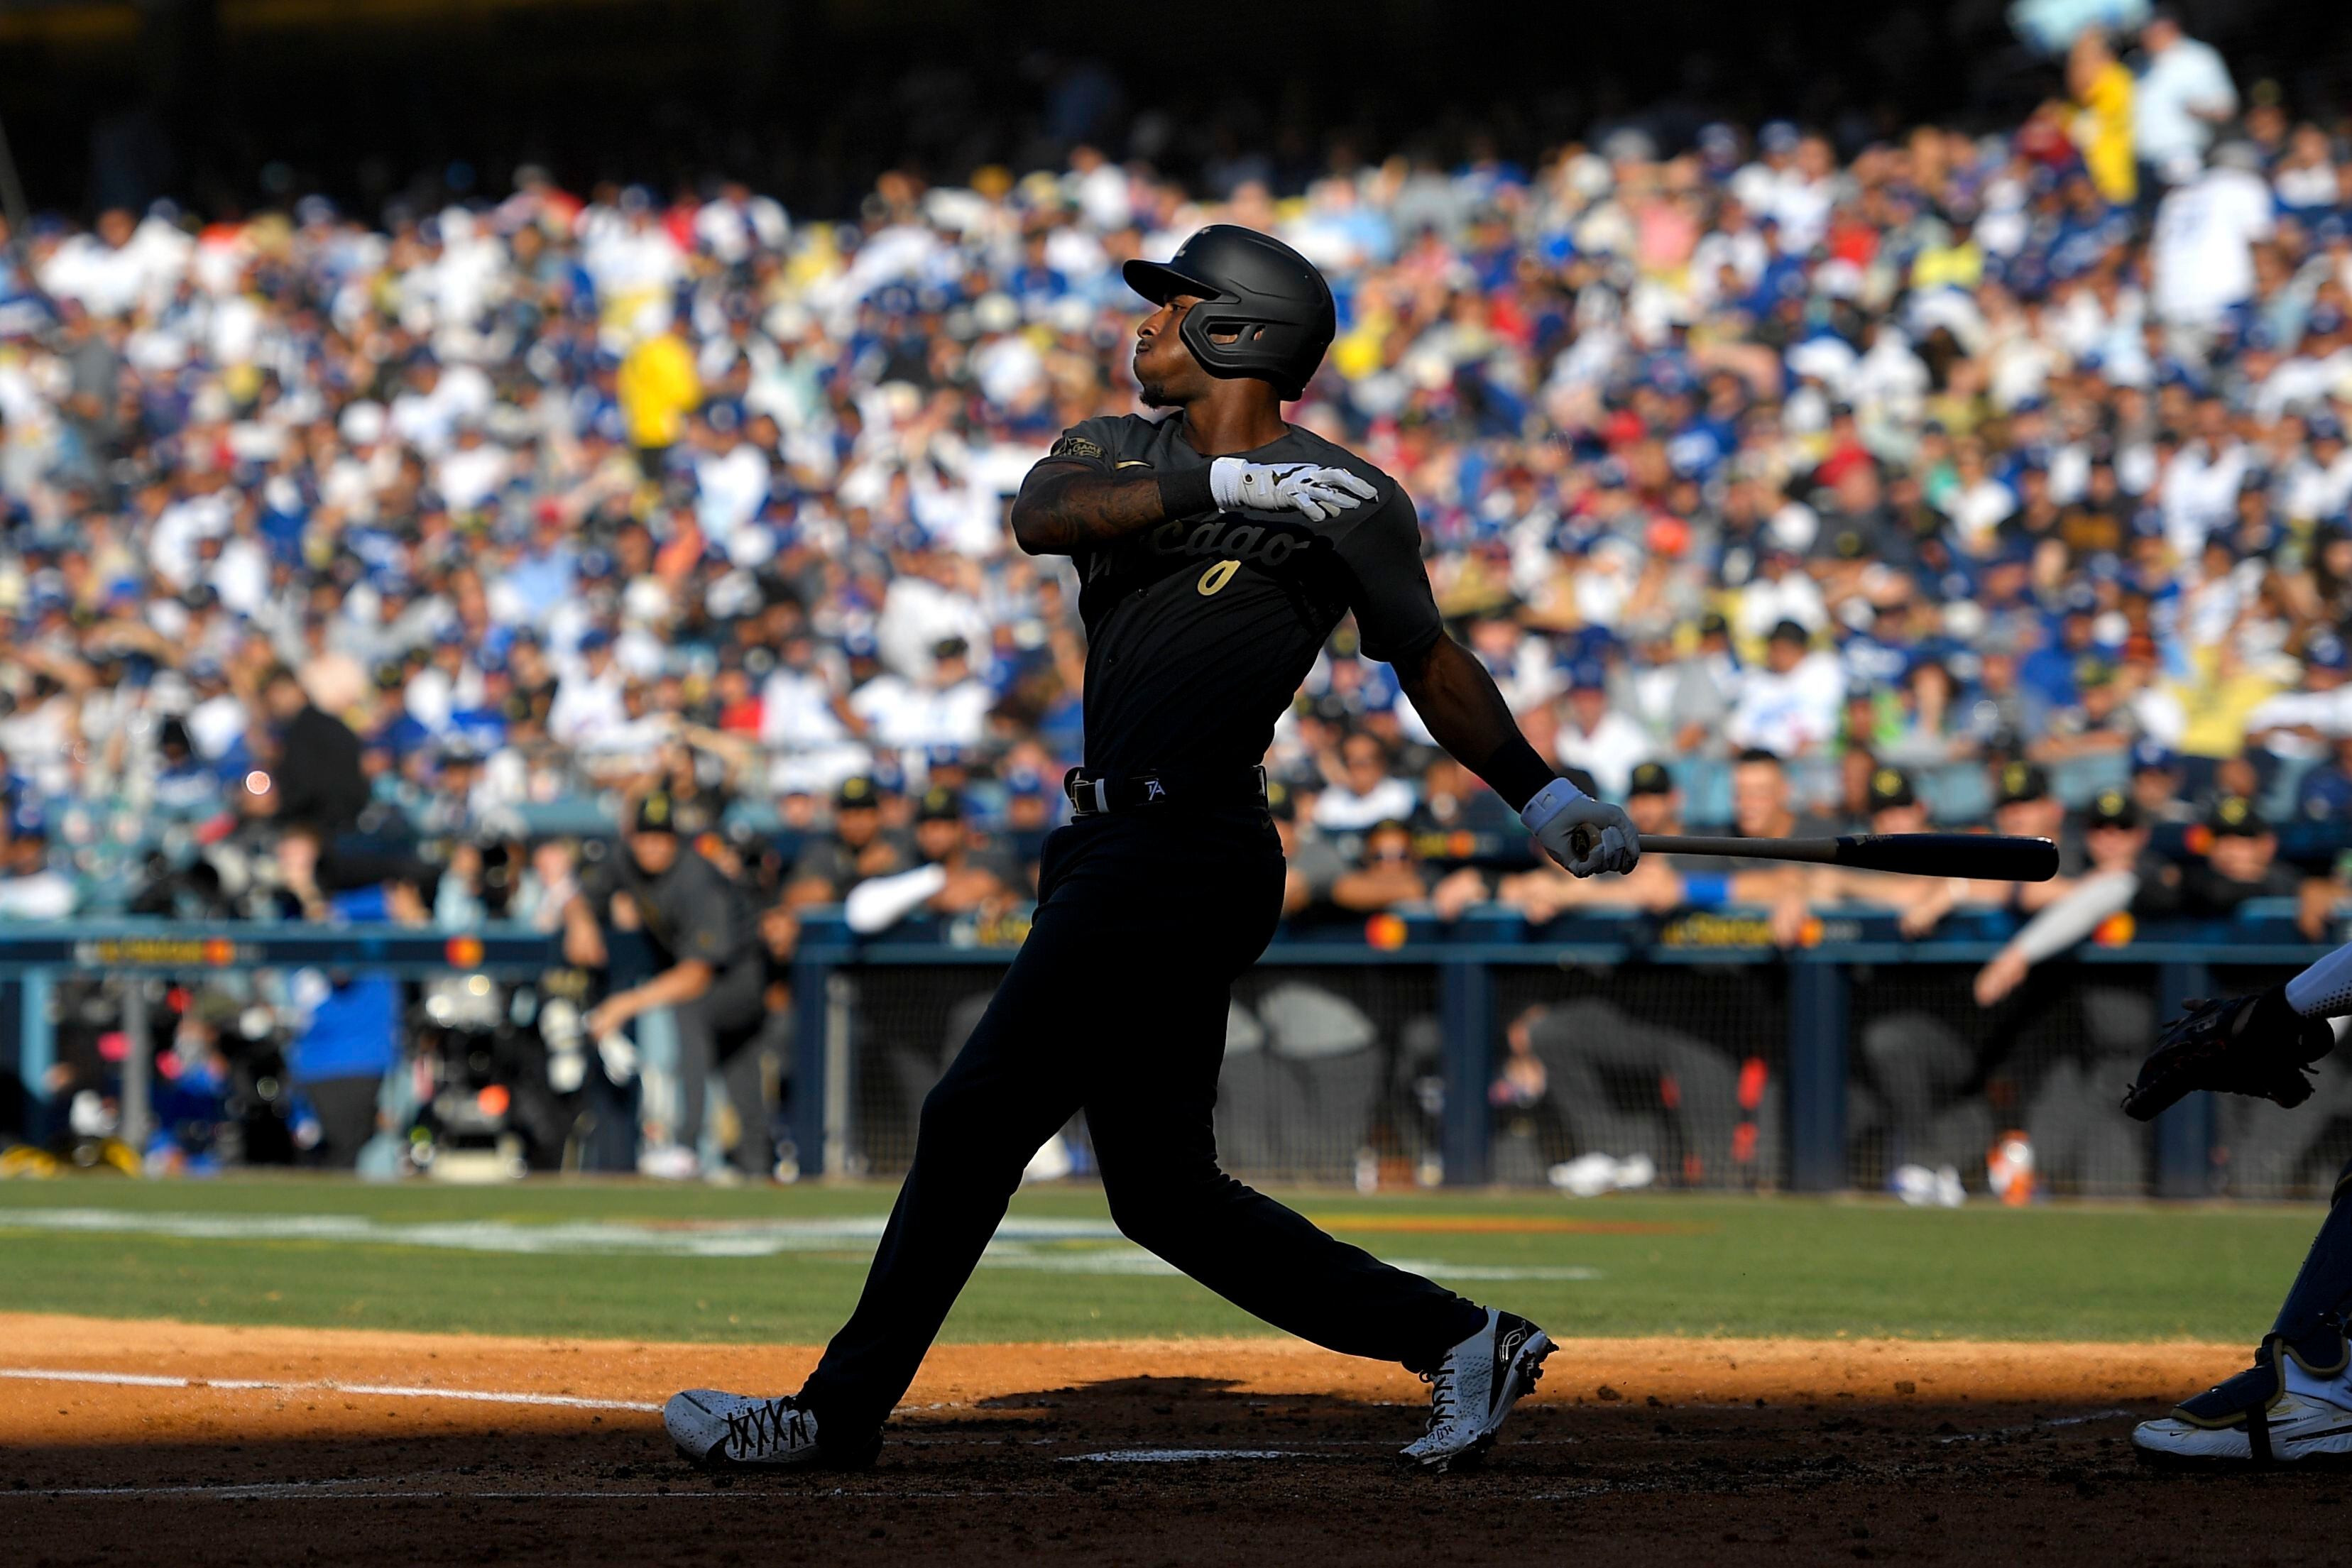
(375, 1390)
(2114, 1414)
(1176, 1455)
(390, 1490)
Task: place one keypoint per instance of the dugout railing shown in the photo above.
(1373, 1053)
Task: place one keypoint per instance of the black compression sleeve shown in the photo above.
(1187, 494)
(1517, 771)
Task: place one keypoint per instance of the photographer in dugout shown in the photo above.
(709, 970)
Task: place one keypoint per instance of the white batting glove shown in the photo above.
(1584, 835)
(1320, 493)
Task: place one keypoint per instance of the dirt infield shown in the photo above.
(221, 1445)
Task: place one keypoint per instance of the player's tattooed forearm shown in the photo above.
(1058, 513)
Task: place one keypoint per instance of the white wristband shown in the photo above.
(1225, 482)
(2324, 989)
(1550, 801)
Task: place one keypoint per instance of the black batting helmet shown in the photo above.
(1253, 288)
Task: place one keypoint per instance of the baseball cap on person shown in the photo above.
(656, 813)
(2021, 782)
(2114, 809)
(1790, 631)
(940, 804)
(1281, 802)
(2150, 756)
(856, 793)
(1651, 778)
(1588, 675)
(1891, 788)
(2233, 816)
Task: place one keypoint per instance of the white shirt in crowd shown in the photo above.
(2202, 246)
(1610, 752)
(911, 717)
(1340, 810)
(2184, 79)
(587, 708)
(1787, 714)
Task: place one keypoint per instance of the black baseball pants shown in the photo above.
(1117, 1005)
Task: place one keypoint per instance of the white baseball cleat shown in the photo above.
(1476, 1387)
(2283, 1410)
(732, 1431)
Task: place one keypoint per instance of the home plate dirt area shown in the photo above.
(227, 1445)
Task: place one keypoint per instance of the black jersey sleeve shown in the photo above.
(1092, 440)
(1388, 587)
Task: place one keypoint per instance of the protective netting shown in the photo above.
(1674, 1072)
(2264, 1151)
(1939, 1081)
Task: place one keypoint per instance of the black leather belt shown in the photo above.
(1094, 794)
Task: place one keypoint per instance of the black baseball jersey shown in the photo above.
(1200, 629)
(690, 911)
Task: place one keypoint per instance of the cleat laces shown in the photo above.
(766, 1426)
(1441, 1394)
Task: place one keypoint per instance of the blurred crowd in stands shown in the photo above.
(364, 566)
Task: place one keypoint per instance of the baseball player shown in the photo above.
(1217, 547)
(2295, 1402)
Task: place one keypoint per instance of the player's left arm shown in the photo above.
(1457, 699)
(681, 982)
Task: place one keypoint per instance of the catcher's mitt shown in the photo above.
(2234, 1045)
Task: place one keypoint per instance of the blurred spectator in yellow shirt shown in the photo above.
(658, 389)
(2102, 121)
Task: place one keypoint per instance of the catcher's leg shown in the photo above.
(2295, 1402)
(2320, 1299)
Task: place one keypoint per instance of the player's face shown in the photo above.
(2115, 848)
(1164, 367)
(1652, 814)
(653, 852)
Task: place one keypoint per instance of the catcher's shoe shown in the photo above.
(2255, 1045)
(733, 1431)
(1476, 1387)
(2283, 1410)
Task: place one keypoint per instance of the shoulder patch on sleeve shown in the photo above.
(1077, 447)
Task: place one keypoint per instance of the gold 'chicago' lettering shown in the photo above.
(1218, 575)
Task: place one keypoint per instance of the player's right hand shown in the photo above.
(1319, 493)
(1584, 835)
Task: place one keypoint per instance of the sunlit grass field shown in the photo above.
(646, 1262)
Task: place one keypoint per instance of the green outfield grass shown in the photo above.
(338, 1254)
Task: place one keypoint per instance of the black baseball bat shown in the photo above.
(1985, 857)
